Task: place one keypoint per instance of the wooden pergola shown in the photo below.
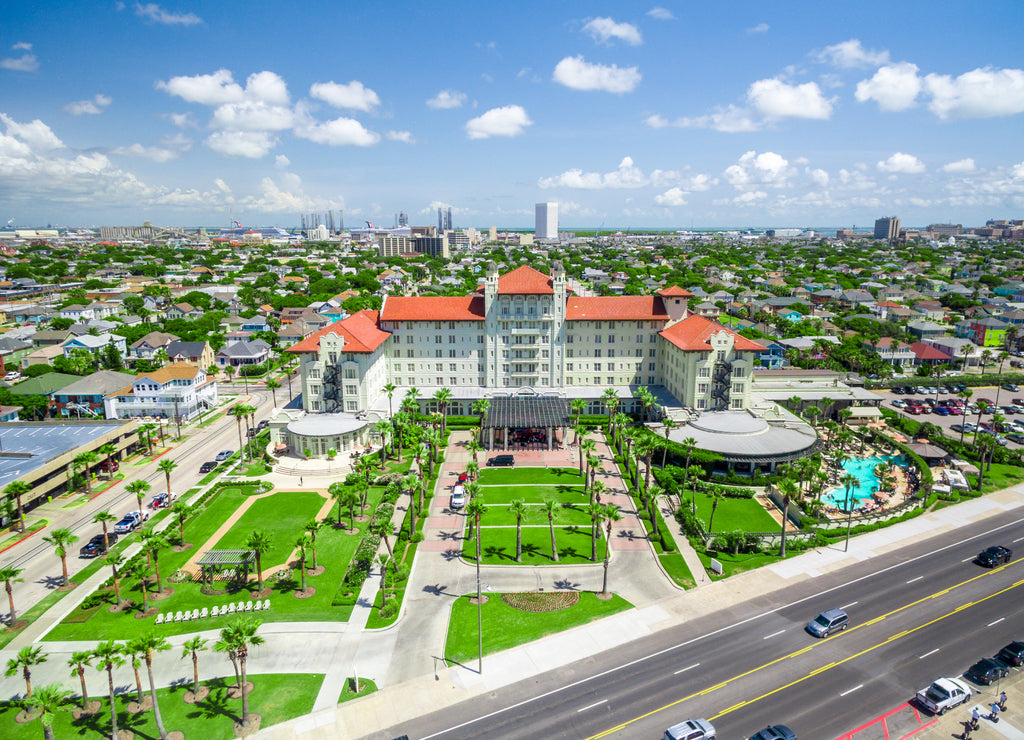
(215, 562)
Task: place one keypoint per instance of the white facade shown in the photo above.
(546, 226)
(176, 390)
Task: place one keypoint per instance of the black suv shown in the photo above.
(775, 732)
(502, 460)
(1012, 654)
(94, 547)
(987, 670)
(207, 466)
(995, 555)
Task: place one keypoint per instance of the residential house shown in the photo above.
(773, 357)
(926, 354)
(95, 344)
(958, 348)
(855, 297)
(9, 413)
(51, 337)
(199, 354)
(255, 324)
(243, 353)
(176, 391)
(147, 347)
(892, 351)
(926, 329)
(932, 310)
(183, 311)
(990, 332)
(707, 310)
(77, 312)
(42, 356)
(808, 348)
(84, 397)
(44, 385)
(104, 310)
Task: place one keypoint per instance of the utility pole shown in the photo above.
(177, 417)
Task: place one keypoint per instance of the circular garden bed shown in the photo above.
(542, 601)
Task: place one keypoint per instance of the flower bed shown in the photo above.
(545, 601)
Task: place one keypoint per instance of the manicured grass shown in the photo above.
(733, 564)
(505, 627)
(743, 514)
(281, 515)
(543, 476)
(366, 686)
(998, 477)
(537, 514)
(533, 493)
(499, 546)
(276, 697)
(677, 569)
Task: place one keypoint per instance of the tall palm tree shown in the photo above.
(411, 401)
(668, 425)
(481, 406)
(133, 650)
(313, 526)
(303, 542)
(17, 489)
(110, 655)
(472, 470)
(611, 403)
(518, 508)
(550, 507)
(474, 510)
(788, 488)
(181, 513)
(982, 408)
(166, 467)
(474, 449)
(26, 659)
(155, 542)
(239, 411)
(104, 518)
(108, 451)
(9, 575)
(652, 507)
(611, 514)
(716, 496)
(272, 386)
(578, 406)
(62, 539)
(48, 701)
(77, 663)
(383, 428)
(222, 646)
(147, 431)
(115, 560)
(260, 542)
(595, 511)
(139, 488)
(593, 461)
(150, 645)
(389, 388)
(586, 446)
(193, 647)
(83, 460)
(241, 635)
(411, 483)
(443, 397)
(621, 422)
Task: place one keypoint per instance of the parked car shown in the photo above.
(12, 376)
(943, 695)
(691, 729)
(832, 620)
(502, 461)
(899, 403)
(1016, 437)
(95, 547)
(224, 455)
(775, 732)
(263, 425)
(1012, 654)
(941, 411)
(207, 466)
(916, 410)
(1012, 387)
(130, 522)
(990, 557)
(109, 466)
(987, 670)
(163, 500)
(458, 498)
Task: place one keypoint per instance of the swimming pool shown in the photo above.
(864, 469)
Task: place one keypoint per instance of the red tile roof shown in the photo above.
(359, 331)
(693, 332)
(523, 280)
(615, 308)
(433, 308)
(675, 290)
(928, 352)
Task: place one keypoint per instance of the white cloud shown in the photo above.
(403, 136)
(248, 144)
(509, 120)
(626, 175)
(337, 132)
(1018, 170)
(267, 87)
(672, 197)
(661, 14)
(35, 134)
(156, 14)
(894, 87)
(980, 93)
(155, 153)
(774, 98)
(354, 95)
(819, 177)
(91, 107)
(223, 186)
(212, 89)
(252, 115)
(183, 120)
(24, 63)
(603, 30)
(749, 197)
(579, 74)
(960, 166)
(901, 163)
(447, 99)
(852, 54)
(759, 28)
(731, 119)
(281, 162)
(753, 169)
(22, 46)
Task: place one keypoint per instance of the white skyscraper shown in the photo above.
(547, 221)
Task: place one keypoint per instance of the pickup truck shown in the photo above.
(129, 523)
(944, 694)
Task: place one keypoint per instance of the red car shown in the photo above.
(915, 410)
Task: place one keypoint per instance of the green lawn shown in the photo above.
(677, 569)
(282, 515)
(505, 627)
(743, 514)
(733, 564)
(536, 514)
(998, 477)
(366, 686)
(499, 545)
(543, 476)
(533, 493)
(276, 697)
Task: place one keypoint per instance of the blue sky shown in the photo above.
(627, 114)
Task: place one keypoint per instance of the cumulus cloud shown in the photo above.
(337, 132)
(604, 30)
(960, 166)
(25, 63)
(155, 153)
(22, 46)
(281, 162)
(212, 89)
(403, 136)
(980, 93)
(900, 163)
(759, 28)
(661, 14)
(248, 144)
(774, 98)
(183, 120)
(155, 14)
(626, 175)
(579, 74)
(267, 87)
(819, 177)
(894, 87)
(753, 170)
(852, 54)
(353, 96)
(509, 120)
(90, 107)
(252, 115)
(672, 197)
(731, 119)
(447, 99)
(36, 135)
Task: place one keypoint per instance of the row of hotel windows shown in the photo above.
(418, 325)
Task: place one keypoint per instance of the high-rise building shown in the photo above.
(435, 246)
(448, 219)
(887, 228)
(547, 221)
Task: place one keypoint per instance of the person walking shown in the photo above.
(975, 718)
(1002, 701)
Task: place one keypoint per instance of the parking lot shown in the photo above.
(1006, 402)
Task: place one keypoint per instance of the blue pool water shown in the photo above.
(864, 469)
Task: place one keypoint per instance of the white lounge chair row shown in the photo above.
(223, 611)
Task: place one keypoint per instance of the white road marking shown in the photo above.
(970, 558)
(993, 624)
(852, 603)
(683, 670)
(850, 691)
(773, 634)
(914, 580)
(1019, 539)
(930, 652)
(591, 706)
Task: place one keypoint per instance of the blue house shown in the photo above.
(793, 316)
(773, 356)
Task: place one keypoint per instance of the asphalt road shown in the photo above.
(916, 614)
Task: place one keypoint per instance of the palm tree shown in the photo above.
(115, 560)
(147, 430)
(61, 539)
(153, 543)
(24, 661)
(578, 406)
(110, 656)
(193, 647)
(9, 575)
(595, 511)
(586, 446)
(411, 483)
(611, 515)
(442, 398)
(982, 408)
(621, 421)
(104, 518)
(221, 646)
(787, 487)
(241, 635)
(652, 507)
(272, 386)
(108, 451)
(389, 388)
(411, 401)
(165, 467)
(481, 406)
(474, 449)
(592, 462)
(84, 460)
(150, 645)
(474, 510)
(550, 507)
(139, 488)
(239, 411)
(716, 496)
(260, 542)
(472, 470)
(383, 428)
(77, 663)
(668, 425)
(646, 400)
(181, 513)
(986, 358)
(48, 701)
(134, 651)
(611, 403)
(303, 542)
(518, 507)
(17, 489)
(313, 526)
(811, 413)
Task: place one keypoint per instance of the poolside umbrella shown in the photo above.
(928, 451)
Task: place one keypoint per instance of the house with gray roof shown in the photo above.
(243, 353)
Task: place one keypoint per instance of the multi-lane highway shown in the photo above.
(916, 614)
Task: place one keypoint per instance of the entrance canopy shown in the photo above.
(512, 412)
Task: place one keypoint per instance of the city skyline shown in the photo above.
(658, 115)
